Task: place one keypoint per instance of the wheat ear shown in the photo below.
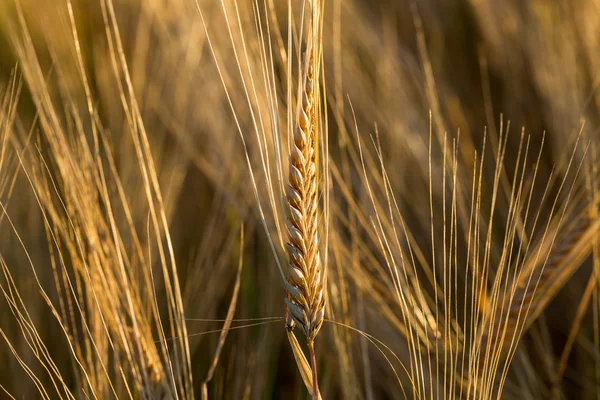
(305, 301)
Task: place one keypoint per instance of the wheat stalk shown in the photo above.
(305, 281)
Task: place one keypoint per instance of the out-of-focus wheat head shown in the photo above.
(101, 253)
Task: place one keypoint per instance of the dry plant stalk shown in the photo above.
(228, 321)
(305, 281)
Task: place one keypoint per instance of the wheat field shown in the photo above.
(294, 199)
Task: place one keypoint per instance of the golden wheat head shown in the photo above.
(305, 302)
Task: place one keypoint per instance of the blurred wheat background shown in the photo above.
(143, 146)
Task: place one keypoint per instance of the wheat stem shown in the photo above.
(313, 362)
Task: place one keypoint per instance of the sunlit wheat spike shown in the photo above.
(305, 302)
